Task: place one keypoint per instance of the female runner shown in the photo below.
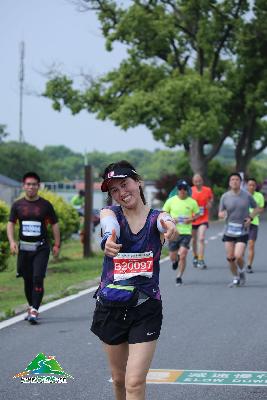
(132, 238)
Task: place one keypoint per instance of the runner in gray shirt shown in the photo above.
(234, 207)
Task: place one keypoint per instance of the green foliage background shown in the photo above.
(59, 163)
(67, 216)
(4, 245)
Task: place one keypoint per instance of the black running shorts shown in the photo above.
(133, 325)
(195, 227)
(237, 239)
(253, 232)
(182, 241)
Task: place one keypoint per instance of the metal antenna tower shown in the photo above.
(21, 81)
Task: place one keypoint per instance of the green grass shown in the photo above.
(70, 269)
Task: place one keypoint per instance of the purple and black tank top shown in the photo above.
(137, 263)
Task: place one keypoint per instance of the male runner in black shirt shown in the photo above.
(33, 213)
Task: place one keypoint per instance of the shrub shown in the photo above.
(68, 217)
(4, 244)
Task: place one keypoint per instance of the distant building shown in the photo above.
(150, 194)
(68, 190)
(9, 189)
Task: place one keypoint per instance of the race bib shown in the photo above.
(31, 228)
(234, 229)
(128, 265)
(181, 219)
(201, 211)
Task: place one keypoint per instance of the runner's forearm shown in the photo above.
(10, 231)
(56, 234)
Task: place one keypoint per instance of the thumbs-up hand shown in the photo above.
(170, 230)
(111, 247)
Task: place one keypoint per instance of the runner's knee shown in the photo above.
(118, 380)
(251, 244)
(239, 257)
(38, 284)
(135, 384)
(182, 256)
(231, 259)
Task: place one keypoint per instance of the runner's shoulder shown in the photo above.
(44, 201)
(208, 189)
(258, 196)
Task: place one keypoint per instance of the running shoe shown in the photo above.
(242, 277)
(249, 269)
(28, 314)
(179, 281)
(33, 316)
(175, 265)
(201, 264)
(235, 283)
(195, 262)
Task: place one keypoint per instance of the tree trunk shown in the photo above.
(244, 148)
(198, 161)
(242, 162)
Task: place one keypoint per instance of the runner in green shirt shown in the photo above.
(253, 230)
(77, 202)
(184, 210)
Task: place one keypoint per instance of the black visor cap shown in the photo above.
(117, 173)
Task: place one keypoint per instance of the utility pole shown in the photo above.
(88, 210)
(21, 82)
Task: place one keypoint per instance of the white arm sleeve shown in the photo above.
(109, 223)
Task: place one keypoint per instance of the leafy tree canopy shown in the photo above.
(151, 165)
(18, 158)
(58, 163)
(195, 74)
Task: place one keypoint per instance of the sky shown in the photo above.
(56, 33)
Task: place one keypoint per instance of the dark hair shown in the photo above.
(31, 175)
(234, 174)
(123, 164)
(81, 193)
(252, 179)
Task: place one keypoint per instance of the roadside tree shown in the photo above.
(182, 77)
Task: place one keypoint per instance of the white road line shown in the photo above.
(53, 304)
(47, 306)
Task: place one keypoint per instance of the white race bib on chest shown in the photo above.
(128, 265)
(201, 210)
(31, 228)
(234, 229)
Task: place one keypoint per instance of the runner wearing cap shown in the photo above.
(184, 210)
(128, 312)
(204, 198)
(234, 208)
(254, 226)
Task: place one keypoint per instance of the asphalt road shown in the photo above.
(207, 326)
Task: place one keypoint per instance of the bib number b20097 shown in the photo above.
(128, 265)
